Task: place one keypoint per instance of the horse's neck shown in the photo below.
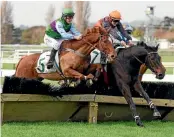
(134, 56)
(72, 44)
(75, 44)
(137, 58)
(140, 53)
(86, 49)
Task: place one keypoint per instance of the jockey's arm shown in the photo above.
(117, 38)
(74, 31)
(123, 32)
(115, 35)
(62, 32)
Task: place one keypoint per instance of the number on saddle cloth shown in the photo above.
(42, 63)
(98, 57)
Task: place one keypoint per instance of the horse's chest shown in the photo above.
(74, 61)
(82, 65)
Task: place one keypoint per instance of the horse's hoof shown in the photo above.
(72, 84)
(95, 79)
(89, 82)
(76, 83)
(156, 114)
(139, 123)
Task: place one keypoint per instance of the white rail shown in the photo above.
(15, 57)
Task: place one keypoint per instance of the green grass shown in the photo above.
(168, 71)
(8, 66)
(167, 58)
(106, 129)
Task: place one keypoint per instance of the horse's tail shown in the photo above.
(18, 65)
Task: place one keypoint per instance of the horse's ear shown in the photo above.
(104, 31)
(145, 45)
(87, 31)
(93, 30)
(142, 43)
(157, 47)
(96, 29)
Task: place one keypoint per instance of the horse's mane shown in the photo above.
(95, 29)
(87, 32)
(123, 52)
(150, 46)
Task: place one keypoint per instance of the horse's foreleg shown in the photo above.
(143, 69)
(98, 72)
(75, 74)
(95, 68)
(124, 88)
(138, 87)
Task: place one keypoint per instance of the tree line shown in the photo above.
(34, 35)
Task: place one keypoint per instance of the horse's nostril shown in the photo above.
(112, 56)
(160, 75)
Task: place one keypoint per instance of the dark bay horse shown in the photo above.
(125, 70)
(74, 57)
(143, 67)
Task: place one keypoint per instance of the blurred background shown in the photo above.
(24, 22)
(23, 25)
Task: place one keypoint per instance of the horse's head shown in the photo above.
(99, 37)
(153, 60)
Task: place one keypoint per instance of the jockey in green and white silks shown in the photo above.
(58, 31)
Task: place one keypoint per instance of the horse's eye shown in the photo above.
(151, 57)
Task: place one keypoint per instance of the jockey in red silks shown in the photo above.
(58, 31)
(112, 24)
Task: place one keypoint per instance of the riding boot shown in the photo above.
(52, 58)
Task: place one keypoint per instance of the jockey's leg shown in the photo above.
(52, 59)
(55, 44)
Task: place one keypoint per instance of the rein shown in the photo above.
(74, 51)
(80, 54)
(147, 58)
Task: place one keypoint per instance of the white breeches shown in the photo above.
(53, 43)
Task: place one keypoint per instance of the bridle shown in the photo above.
(147, 59)
(92, 45)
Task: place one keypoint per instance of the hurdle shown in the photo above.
(85, 107)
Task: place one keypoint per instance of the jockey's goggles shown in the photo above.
(69, 17)
(115, 20)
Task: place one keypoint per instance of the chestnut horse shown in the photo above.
(74, 57)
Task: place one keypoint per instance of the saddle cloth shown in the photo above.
(96, 58)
